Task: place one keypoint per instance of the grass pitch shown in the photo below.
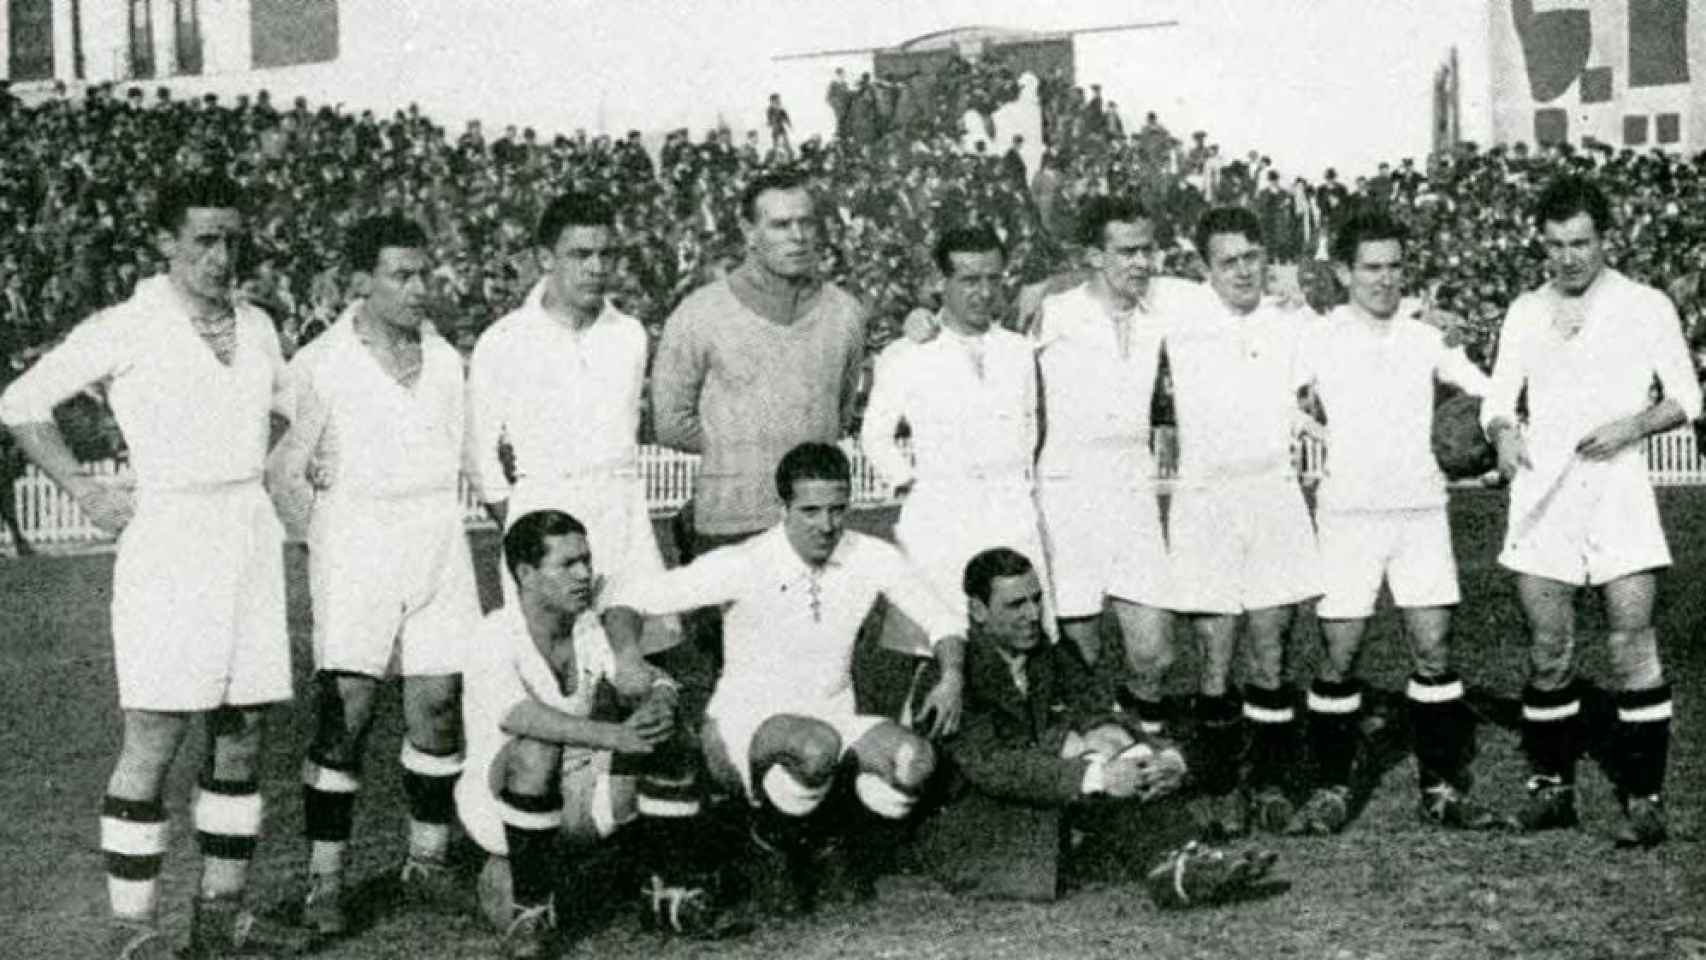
(1389, 888)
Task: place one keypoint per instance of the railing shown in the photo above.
(49, 516)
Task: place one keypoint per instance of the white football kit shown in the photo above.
(567, 403)
(389, 567)
(1571, 519)
(198, 585)
(789, 628)
(971, 404)
(1380, 510)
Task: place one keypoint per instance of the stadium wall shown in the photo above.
(1628, 73)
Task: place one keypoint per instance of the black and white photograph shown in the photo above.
(1182, 479)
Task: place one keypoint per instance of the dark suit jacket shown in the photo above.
(998, 827)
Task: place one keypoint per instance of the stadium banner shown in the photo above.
(1627, 73)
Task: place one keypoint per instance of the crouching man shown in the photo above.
(1042, 760)
(782, 727)
(570, 736)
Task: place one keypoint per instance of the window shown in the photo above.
(187, 35)
(141, 39)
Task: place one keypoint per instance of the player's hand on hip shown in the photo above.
(1608, 441)
(940, 713)
(108, 503)
(920, 326)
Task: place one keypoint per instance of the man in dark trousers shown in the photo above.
(1043, 759)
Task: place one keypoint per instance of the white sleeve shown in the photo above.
(1453, 366)
(98, 348)
(708, 581)
(1510, 369)
(1670, 357)
(486, 403)
(904, 585)
(883, 413)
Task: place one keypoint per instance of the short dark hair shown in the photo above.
(207, 191)
(978, 239)
(811, 461)
(524, 544)
(1368, 225)
(1567, 196)
(1099, 211)
(370, 235)
(572, 210)
(764, 183)
(991, 565)
(1223, 220)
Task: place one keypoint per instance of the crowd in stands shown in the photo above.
(76, 173)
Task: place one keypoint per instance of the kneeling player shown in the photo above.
(1043, 754)
(782, 723)
(1381, 514)
(569, 735)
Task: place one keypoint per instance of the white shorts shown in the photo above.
(393, 585)
(732, 724)
(618, 532)
(942, 527)
(1244, 544)
(1599, 525)
(198, 601)
(1409, 549)
(594, 806)
(1102, 536)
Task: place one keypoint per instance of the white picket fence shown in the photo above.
(50, 517)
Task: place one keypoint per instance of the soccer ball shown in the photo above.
(1459, 446)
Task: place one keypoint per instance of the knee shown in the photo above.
(1635, 659)
(914, 762)
(810, 751)
(1149, 655)
(1432, 658)
(435, 719)
(532, 768)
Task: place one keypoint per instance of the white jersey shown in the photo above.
(1235, 382)
(1604, 372)
(189, 421)
(567, 401)
(392, 441)
(971, 404)
(504, 669)
(1098, 384)
(788, 628)
(1376, 380)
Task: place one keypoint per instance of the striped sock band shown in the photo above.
(531, 825)
(1552, 730)
(328, 812)
(1334, 710)
(1643, 734)
(1442, 732)
(429, 780)
(227, 816)
(133, 840)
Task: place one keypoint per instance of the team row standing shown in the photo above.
(378, 418)
(1240, 543)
